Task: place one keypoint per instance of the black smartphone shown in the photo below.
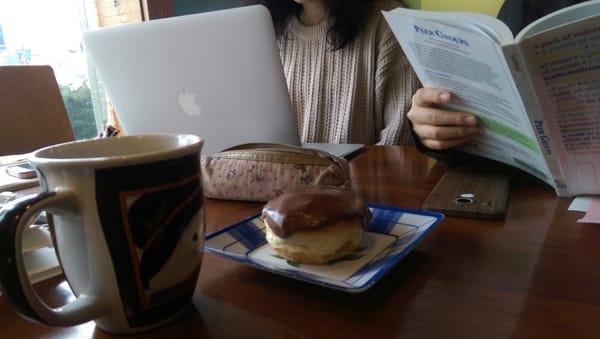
(21, 171)
(472, 194)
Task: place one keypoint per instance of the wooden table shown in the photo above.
(534, 275)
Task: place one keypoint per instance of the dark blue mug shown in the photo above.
(128, 228)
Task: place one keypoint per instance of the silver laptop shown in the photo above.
(217, 75)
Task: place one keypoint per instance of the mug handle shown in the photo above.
(14, 281)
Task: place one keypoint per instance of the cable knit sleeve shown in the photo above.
(395, 83)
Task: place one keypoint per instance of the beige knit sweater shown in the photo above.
(358, 94)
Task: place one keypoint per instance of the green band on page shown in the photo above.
(509, 132)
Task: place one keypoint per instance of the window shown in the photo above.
(50, 33)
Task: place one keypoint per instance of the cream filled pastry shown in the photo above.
(315, 225)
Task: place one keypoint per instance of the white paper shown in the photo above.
(592, 216)
(581, 204)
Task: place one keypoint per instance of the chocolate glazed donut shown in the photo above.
(315, 225)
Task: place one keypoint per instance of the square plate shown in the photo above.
(390, 235)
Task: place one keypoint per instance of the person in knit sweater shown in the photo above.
(350, 82)
(348, 79)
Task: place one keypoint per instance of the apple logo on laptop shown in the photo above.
(187, 102)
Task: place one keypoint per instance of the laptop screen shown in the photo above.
(217, 75)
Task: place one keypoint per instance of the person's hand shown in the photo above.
(436, 128)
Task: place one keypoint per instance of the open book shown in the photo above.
(536, 96)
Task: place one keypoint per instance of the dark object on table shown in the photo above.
(472, 194)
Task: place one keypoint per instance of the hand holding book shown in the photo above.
(436, 128)
(535, 96)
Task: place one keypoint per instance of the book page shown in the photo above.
(469, 21)
(564, 64)
(472, 67)
(561, 17)
(41, 264)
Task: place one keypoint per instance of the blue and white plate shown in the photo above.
(390, 235)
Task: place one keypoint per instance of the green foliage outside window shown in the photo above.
(79, 108)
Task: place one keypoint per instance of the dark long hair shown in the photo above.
(347, 17)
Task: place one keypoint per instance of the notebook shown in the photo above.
(216, 74)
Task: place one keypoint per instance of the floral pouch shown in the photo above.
(262, 171)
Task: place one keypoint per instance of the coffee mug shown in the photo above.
(128, 229)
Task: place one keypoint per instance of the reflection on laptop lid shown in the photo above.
(33, 113)
(217, 75)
